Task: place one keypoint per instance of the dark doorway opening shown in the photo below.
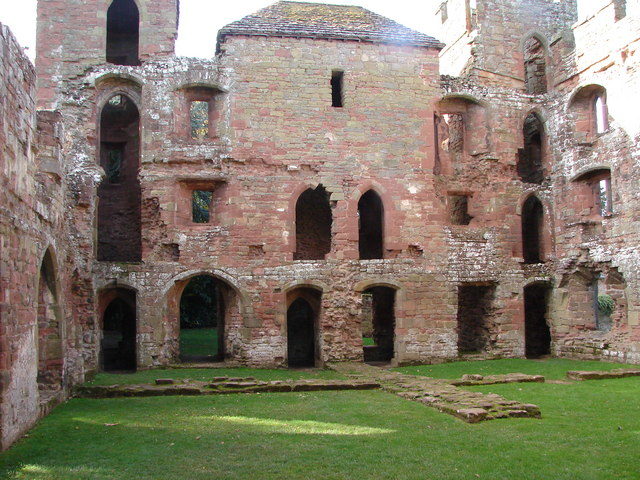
(476, 323)
(202, 319)
(530, 158)
(380, 323)
(302, 318)
(50, 355)
(119, 206)
(313, 225)
(371, 226)
(537, 332)
(119, 332)
(532, 227)
(123, 33)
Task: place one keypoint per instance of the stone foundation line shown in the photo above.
(471, 407)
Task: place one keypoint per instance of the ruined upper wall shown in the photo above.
(72, 36)
(485, 40)
(17, 113)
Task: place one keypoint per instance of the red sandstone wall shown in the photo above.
(30, 222)
(606, 55)
(63, 53)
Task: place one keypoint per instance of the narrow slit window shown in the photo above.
(601, 114)
(444, 13)
(337, 84)
(199, 118)
(604, 197)
(620, 9)
(201, 206)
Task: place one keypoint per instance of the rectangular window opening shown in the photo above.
(337, 95)
(201, 206)
(199, 117)
(605, 200)
(620, 9)
(444, 12)
(459, 209)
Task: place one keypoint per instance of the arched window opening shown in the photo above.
(530, 158)
(536, 327)
(202, 319)
(118, 347)
(594, 193)
(313, 225)
(371, 226)
(302, 327)
(589, 109)
(477, 322)
(119, 206)
(532, 230)
(535, 67)
(378, 324)
(461, 130)
(123, 33)
(49, 333)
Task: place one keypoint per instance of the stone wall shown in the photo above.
(604, 60)
(441, 152)
(35, 337)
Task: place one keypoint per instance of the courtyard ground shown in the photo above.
(588, 430)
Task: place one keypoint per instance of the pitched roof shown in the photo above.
(318, 20)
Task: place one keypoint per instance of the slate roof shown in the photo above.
(334, 22)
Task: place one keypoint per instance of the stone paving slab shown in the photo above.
(218, 387)
(469, 380)
(472, 407)
(602, 374)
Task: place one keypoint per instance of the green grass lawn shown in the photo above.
(199, 342)
(553, 368)
(589, 431)
(204, 374)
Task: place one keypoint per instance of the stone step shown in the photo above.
(602, 374)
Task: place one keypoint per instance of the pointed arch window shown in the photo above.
(371, 226)
(123, 33)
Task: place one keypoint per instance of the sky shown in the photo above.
(200, 20)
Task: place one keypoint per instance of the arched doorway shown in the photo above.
(313, 225)
(202, 319)
(302, 325)
(118, 346)
(379, 324)
(537, 332)
(532, 230)
(371, 226)
(119, 207)
(49, 330)
(123, 33)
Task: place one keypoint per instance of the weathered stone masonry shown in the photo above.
(480, 194)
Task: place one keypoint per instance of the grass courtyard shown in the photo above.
(589, 430)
